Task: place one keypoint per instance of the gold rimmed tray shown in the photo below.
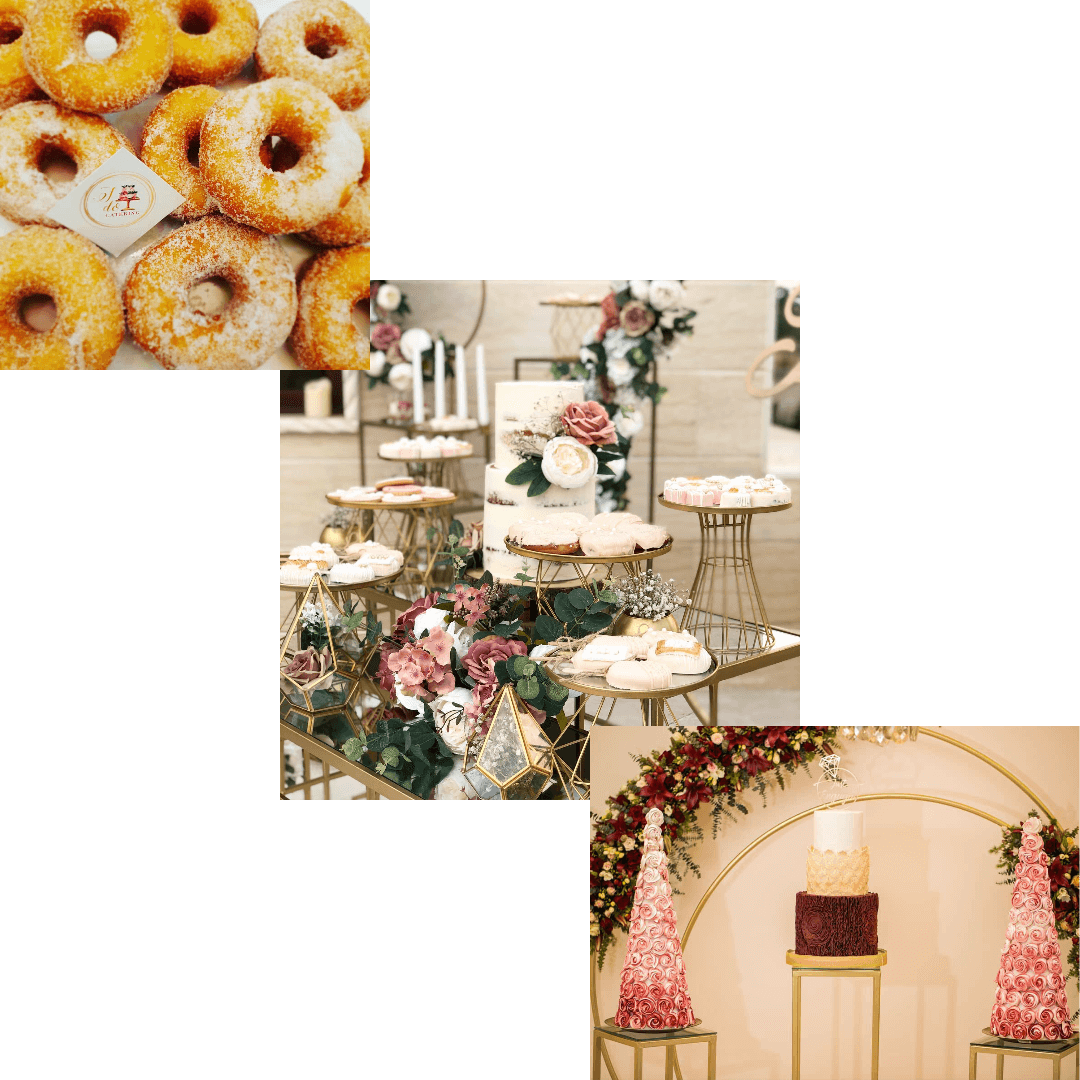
(345, 586)
(380, 505)
(723, 509)
(421, 460)
(586, 560)
(597, 685)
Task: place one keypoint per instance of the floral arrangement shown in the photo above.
(702, 765)
(642, 321)
(1061, 853)
(410, 754)
(567, 449)
(393, 350)
(649, 596)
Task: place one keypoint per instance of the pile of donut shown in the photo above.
(282, 155)
(645, 662)
(618, 533)
(398, 489)
(360, 563)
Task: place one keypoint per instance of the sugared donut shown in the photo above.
(212, 41)
(60, 264)
(324, 336)
(15, 82)
(257, 318)
(233, 170)
(55, 51)
(28, 132)
(353, 224)
(170, 142)
(323, 42)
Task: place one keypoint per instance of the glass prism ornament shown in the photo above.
(516, 755)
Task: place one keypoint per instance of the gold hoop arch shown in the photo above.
(760, 840)
(783, 345)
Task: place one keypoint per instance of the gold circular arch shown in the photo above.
(760, 840)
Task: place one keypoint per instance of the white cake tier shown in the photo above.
(511, 504)
(528, 406)
(838, 830)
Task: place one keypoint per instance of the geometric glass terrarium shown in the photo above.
(516, 755)
(320, 681)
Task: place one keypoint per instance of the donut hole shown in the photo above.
(282, 153)
(211, 296)
(197, 19)
(57, 164)
(100, 44)
(324, 41)
(193, 151)
(9, 31)
(38, 312)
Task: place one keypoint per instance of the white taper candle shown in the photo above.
(481, 387)
(462, 409)
(418, 389)
(440, 379)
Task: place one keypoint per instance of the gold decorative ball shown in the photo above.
(332, 536)
(632, 626)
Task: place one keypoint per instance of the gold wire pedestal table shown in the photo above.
(418, 530)
(739, 627)
(834, 967)
(442, 471)
(645, 1040)
(1055, 1052)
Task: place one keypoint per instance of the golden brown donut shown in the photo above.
(15, 82)
(324, 336)
(323, 42)
(256, 320)
(167, 139)
(353, 224)
(27, 132)
(55, 52)
(213, 40)
(76, 275)
(320, 184)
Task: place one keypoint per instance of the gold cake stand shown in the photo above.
(641, 1041)
(833, 967)
(1054, 1051)
(725, 602)
(418, 530)
(442, 471)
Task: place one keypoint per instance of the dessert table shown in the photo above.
(998, 1048)
(645, 1040)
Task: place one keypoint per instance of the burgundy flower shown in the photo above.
(384, 335)
(407, 619)
(589, 423)
(610, 312)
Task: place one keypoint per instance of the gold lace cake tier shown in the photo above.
(837, 873)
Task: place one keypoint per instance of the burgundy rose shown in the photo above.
(635, 318)
(384, 335)
(610, 312)
(407, 619)
(589, 423)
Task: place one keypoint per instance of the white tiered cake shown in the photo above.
(523, 409)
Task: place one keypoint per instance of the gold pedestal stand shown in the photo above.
(726, 609)
(1055, 1052)
(645, 1040)
(418, 530)
(434, 472)
(833, 967)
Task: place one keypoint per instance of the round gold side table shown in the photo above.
(833, 967)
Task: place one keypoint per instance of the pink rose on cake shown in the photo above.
(589, 423)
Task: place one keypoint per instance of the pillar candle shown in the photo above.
(317, 397)
(418, 389)
(462, 409)
(481, 388)
(440, 379)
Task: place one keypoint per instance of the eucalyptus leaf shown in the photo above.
(546, 628)
(523, 473)
(580, 598)
(539, 485)
(564, 608)
(353, 748)
(528, 688)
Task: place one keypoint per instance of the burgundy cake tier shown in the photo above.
(836, 925)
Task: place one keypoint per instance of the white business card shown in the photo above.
(118, 202)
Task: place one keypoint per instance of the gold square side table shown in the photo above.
(835, 967)
(1055, 1052)
(644, 1040)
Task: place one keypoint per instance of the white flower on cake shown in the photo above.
(388, 297)
(400, 377)
(568, 464)
(377, 363)
(639, 290)
(666, 294)
(414, 342)
(453, 726)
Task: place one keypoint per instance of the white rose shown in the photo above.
(620, 370)
(587, 357)
(453, 785)
(629, 421)
(413, 704)
(605, 503)
(414, 342)
(568, 464)
(639, 290)
(388, 297)
(666, 294)
(400, 377)
(453, 726)
(426, 621)
(617, 467)
(377, 364)
(537, 651)
(618, 286)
